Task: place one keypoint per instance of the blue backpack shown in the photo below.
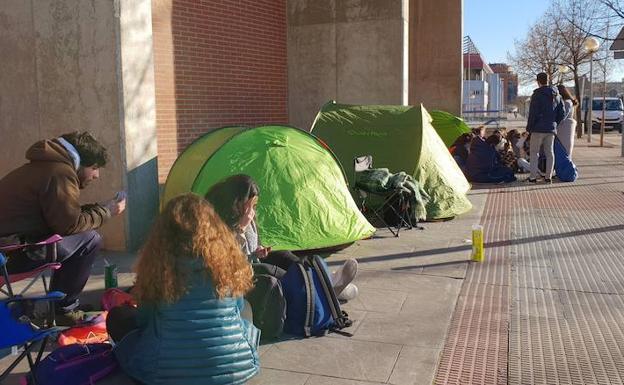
(76, 364)
(312, 305)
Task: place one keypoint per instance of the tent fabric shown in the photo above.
(400, 138)
(448, 126)
(304, 200)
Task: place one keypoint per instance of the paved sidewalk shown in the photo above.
(408, 289)
(548, 306)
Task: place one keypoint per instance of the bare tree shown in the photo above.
(574, 21)
(539, 51)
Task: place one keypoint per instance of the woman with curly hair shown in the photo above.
(191, 278)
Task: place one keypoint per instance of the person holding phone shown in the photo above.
(235, 199)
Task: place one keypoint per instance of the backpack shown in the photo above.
(268, 305)
(76, 365)
(313, 308)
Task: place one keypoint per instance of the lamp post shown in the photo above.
(591, 45)
(563, 69)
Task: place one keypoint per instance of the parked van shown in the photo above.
(614, 113)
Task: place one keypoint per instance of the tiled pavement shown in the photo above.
(547, 306)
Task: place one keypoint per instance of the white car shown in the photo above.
(613, 114)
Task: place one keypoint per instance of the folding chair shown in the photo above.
(50, 264)
(17, 331)
(395, 201)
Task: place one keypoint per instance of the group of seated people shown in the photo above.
(495, 159)
(192, 323)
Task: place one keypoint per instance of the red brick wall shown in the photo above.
(216, 63)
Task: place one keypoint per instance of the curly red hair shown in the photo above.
(188, 229)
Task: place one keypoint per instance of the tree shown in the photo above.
(573, 21)
(539, 51)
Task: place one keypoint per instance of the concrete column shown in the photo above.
(435, 54)
(349, 51)
(74, 65)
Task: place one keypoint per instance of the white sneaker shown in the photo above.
(344, 275)
(349, 293)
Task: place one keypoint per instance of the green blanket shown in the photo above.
(382, 181)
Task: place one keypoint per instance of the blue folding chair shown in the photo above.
(17, 330)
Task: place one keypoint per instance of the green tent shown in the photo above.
(448, 126)
(304, 199)
(399, 138)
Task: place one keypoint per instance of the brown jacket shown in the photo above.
(41, 197)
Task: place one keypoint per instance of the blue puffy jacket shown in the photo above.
(546, 110)
(199, 340)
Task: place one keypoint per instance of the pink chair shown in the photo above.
(33, 275)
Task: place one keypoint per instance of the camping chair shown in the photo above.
(17, 331)
(49, 246)
(396, 201)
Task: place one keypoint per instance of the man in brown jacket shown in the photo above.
(41, 198)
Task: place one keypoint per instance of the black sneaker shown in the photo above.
(548, 181)
(531, 180)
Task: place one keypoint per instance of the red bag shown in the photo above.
(91, 332)
(116, 297)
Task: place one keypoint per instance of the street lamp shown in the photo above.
(563, 69)
(591, 45)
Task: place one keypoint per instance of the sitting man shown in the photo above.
(41, 198)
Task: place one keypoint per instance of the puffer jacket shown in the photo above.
(199, 340)
(545, 111)
(42, 196)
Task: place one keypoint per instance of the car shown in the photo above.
(613, 113)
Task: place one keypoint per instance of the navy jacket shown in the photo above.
(546, 110)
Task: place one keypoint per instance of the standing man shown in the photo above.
(545, 113)
(41, 198)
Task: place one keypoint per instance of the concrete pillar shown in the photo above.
(74, 65)
(435, 54)
(349, 51)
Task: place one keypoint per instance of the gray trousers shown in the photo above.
(547, 140)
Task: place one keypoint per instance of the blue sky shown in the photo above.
(494, 24)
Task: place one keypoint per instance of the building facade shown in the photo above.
(509, 80)
(148, 77)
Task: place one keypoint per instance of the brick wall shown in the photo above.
(216, 63)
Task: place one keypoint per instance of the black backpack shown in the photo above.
(268, 306)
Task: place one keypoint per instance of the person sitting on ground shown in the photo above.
(484, 164)
(503, 147)
(235, 199)
(517, 142)
(42, 198)
(460, 149)
(190, 280)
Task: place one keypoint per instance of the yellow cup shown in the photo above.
(478, 254)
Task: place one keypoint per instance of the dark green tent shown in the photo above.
(399, 138)
(304, 199)
(448, 126)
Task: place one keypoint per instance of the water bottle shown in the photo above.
(478, 254)
(110, 275)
